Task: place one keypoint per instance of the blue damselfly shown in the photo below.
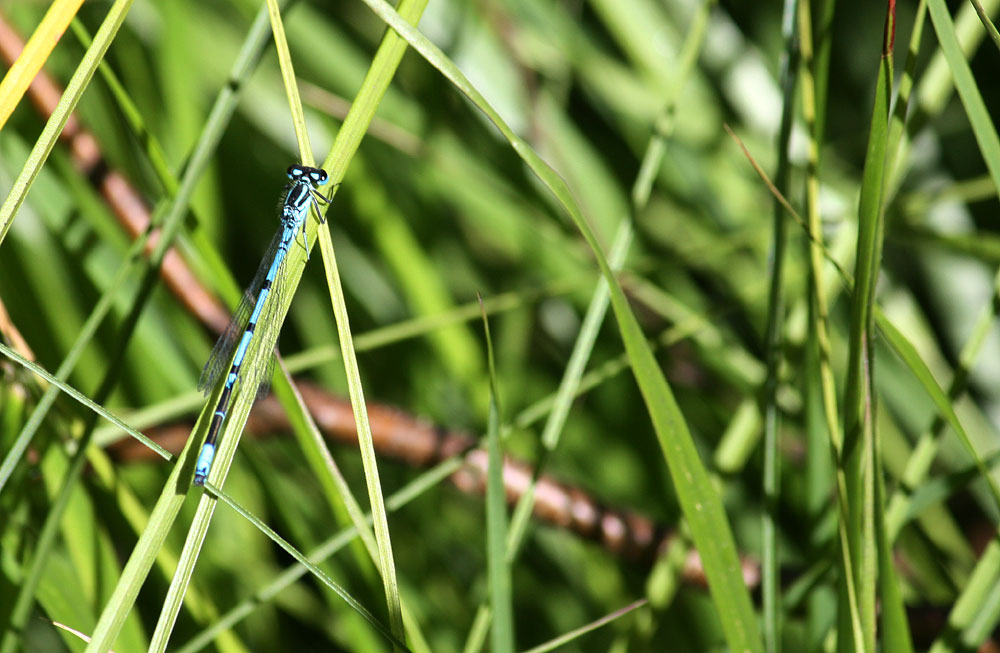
(301, 194)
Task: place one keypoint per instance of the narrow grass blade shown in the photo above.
(331, 546)
(991, 29)
(143, 556)
(573, 635)
(83, 399)
(859, 456)
(71, 96)
(941, 400)
(964, 612)
(774, 337)
(895, 628)
(36, 52)
(979, 118)
(698, 496)
(348, 139)
(316, 571)
(335, 485)
(171, 499)
(94, 320)
(496, 518)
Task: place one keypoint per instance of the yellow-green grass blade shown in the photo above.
(774, 343)
(94, 320)
(171, 499)
(423, 286)
(264, 341)
(36, 52)
(991, 29)
(61, 386)
(348, 139)
(71, 96)
(338, 492)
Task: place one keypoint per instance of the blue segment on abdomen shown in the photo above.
(204, 463)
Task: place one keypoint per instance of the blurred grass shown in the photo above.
(418, 230)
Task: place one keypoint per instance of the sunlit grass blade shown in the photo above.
(941, 400)
(965, 612)
(171, 499)
(262, 345)
(36, 52)
(20, 444)
(141, 560)
(991, 29)
(424, 288)
(348, 138)
(71, 96)
(62, 386)
(335, 485)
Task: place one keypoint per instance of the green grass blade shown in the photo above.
(424, 288)
(143, 556)
(348, 139)
(991, 29)
(61, 386)
(412, 490)
(573, 635)
(698, 497)
(895, 628)
(774, 336)
(968, 91)
(964, 612)
(496, 518)
(170, 501)
(262, 345)
(334, 483)
(859, 458)
(942, 401)
(313, 569)
(94, 320)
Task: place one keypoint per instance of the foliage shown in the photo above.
(786, 210)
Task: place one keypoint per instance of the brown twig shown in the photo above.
(421, 444)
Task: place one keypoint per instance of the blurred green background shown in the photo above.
(436, 208)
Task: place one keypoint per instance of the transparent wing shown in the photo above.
(259, 364)
(265, 381)
(221, 357)
(222, 353)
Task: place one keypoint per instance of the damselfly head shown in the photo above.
(315, 176)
